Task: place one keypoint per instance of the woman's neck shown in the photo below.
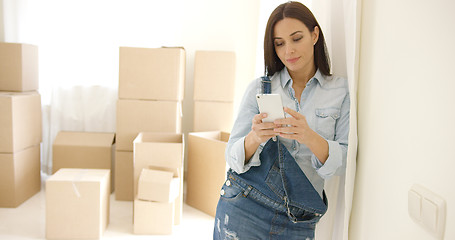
(303, 76)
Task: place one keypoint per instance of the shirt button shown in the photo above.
(222, 192)
(228, 183)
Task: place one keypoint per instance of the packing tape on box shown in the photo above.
(77, 178)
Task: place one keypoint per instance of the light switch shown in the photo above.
(429, 214)
(414, 205)
(427, 209)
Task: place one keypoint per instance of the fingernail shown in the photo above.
(264, 114)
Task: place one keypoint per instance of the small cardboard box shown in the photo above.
(124, 175)
(206, 169)
(20, 121)
(214, 76)
(213, 116)
(163, 151)
(153, 217)
(83, 150)
(19, 176)
(151, 73)
(134, 116)
(18, 67)
(158, 186)
(77, 203)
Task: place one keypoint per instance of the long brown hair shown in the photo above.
(300, 12)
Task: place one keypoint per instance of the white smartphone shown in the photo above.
(272, 105)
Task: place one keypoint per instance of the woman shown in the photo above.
(274, 189)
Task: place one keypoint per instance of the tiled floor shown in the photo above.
(28, 222)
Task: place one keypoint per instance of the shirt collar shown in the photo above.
(285, 78)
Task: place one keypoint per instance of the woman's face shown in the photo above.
(294, 44)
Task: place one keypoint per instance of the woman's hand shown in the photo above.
(297, 128)
(260, 132)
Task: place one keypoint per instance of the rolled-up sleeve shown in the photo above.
(235, 149)
(336, 162)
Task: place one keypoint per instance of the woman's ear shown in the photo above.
(315, 35)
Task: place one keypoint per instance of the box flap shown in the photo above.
(212, 135)
(79, 175)
(97, 139)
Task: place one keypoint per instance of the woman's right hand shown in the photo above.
(260, 132)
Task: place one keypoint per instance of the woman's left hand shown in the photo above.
(295, 128)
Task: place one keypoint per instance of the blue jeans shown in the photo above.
(273, 201)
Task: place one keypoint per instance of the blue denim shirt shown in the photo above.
(324, 102)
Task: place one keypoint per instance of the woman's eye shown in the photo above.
(297, 39)
(277, 44)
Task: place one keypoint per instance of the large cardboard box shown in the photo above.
(213, 116)
(214, 76)
(77, 203)
(19, 176)
(20, 121)
(151, 73)
(134, 116)
(153, 217)
(18, 67)
(84, 150)
(158, 186)
(124, 176)
(160, 151)
(206, 170)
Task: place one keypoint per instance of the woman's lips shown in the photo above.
(292, 60)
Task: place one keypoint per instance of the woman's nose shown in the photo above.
(290, 49)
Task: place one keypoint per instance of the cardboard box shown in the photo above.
(19, 176)
(206, 169)
(18, 67)
(213, 116)
(84, 150)
(77, 203)
(153, 217)
(158, 186)
(160, 150)
(151, 73)
(214, 76)
(163, 150)
(134, 116)
(124, 176)
(20, 121)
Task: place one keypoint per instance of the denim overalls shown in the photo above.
(272, 201)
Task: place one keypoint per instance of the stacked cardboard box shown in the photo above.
(154, 206)
(20, 123)
(214, 77)
(207, 168)
(93, 150)
(77, 203)
(151, 88)
(163, 152)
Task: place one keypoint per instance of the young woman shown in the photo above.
(274, 188)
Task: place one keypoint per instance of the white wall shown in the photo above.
(406, 118)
